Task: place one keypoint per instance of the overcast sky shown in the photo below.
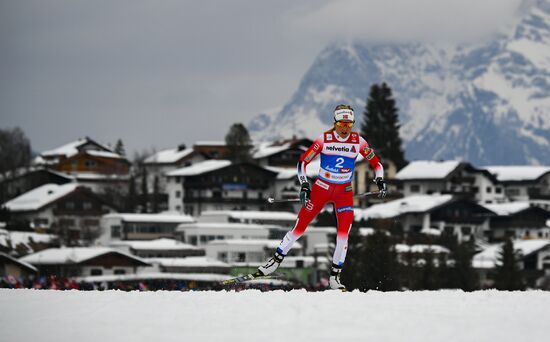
(160, 73)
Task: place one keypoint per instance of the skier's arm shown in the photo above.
(368, 153)
(307, 157)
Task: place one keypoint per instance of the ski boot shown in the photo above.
(272, 264)
(334, 279)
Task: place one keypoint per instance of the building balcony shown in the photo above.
(537, 194)
(462, 194)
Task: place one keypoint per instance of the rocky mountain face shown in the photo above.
(487, 103)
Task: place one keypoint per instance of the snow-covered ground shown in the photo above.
(442, 316)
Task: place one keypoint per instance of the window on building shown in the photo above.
(89, 163)
(119, 271)
(241, 257)
(489, 189)
(415, 188)
(203, 238)
(87, 205)
(466, 230)
(512, 192)
(178, 207)
(178, 179)
(193, 240)
(96, 272)
(498, 190)
(222, 256)
(115, 231)
(69, 205)
(178, 194)
(64, 222)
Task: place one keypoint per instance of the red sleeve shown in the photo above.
(307, 157)
(312, 151)
(368, 153)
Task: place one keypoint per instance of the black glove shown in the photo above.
(304, 193)
(382, 187)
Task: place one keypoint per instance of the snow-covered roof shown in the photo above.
(427, 169)
(18, 262)
(252, 242)
(222, 225)
(92, 176)
(72, 148)
(402, 248)
(488, 258)
(157, 218)
(104, 154)
(200, 168)
(168, 156)
(73, 255)
(410, 204)
(267, 149)
(517, 173)
(505, 209)
(67, 150)
(157, 244)
(24, 238)
(211, 277)
(192, 261)
(312, 170)
(252, 214)
(39, 197)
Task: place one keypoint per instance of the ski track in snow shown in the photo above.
(450, 316)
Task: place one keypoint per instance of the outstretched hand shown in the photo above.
(382, 187)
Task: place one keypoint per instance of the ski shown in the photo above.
(250, 276)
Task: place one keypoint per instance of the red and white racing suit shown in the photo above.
(333, 185)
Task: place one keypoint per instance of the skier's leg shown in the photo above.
(344, 216)
(319, 196)
(343, 205)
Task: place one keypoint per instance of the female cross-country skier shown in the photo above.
(339, 148)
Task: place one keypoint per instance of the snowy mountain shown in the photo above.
(487, 103)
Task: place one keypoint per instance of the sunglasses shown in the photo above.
(344, 124)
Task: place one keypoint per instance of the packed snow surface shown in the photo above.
(41, 315)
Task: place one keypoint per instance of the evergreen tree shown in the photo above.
(428, 279)
(144, 191)
(381, 125)
(239, 143)
(508, 274)
(376, 266)
(119, 148)
(463, 275)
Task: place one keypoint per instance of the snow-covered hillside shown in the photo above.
(488, 103)
(40, 315)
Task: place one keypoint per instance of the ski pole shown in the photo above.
(273, 200)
